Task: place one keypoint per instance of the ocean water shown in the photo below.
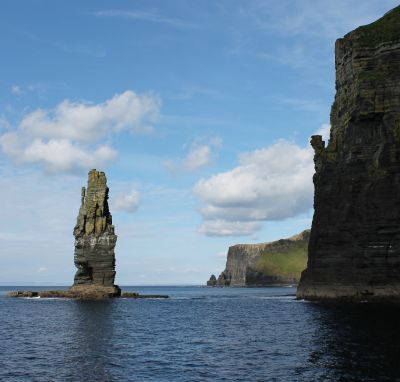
(199, 334)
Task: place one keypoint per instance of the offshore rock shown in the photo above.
(212, 281)
(354, 250)
(95, 240)
(94, 250)
(276, 263)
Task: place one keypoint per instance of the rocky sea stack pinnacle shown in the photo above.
(94, 250)
(354, 248)
(95, 239)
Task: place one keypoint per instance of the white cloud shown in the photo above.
(4, 124)
(62, 155)
(170, 166)
(86, 122)
(128, 202)
(221, 227)
(322, 19)
(16, 90)
(272, 183)
(199, 155)
(303, 104)
(66, 137)
(324, 131)
(20, 90)
(147, 15)
(42, 270)
(43, 208)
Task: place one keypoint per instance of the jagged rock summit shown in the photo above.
(94, 256)
(354, 249)
(275, 263)
(95, 239)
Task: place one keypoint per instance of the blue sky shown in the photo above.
(199, 112)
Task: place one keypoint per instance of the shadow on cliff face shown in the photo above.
(356, 342)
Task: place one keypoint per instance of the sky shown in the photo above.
(199, 112)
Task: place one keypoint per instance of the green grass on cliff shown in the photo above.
(385, 29)
(289, 262)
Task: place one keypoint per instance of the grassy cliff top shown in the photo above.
(285, 258)
(271, 245)
(385, 29)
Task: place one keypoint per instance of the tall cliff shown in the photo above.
(95, 238)
(278, 262)
(354, 250)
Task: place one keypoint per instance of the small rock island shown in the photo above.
(354, 250)
(94, 255)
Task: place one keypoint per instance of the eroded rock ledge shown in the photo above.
(82, 294)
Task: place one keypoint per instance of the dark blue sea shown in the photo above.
(199, 334)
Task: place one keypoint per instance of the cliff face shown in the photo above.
(354, 249)
(278, 262)
(95, 238)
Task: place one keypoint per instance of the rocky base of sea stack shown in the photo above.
(83, 293)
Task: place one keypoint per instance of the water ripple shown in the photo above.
(200, 334)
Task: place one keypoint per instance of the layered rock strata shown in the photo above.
(354, 249)
(95, 239)
(275, 263)
(94, 256)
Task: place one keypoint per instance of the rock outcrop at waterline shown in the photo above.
(95, 238)
(212, 281)
(276, 263)
(82, 294)
(354, 250)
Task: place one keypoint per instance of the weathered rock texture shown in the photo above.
(278, 262)
(354, 250)
(94, 250)
(95, 239)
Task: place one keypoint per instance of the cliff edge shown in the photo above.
(275, 263)
(354, 250)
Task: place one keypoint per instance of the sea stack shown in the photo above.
(354, 248)
(94, 250)
(95, 240)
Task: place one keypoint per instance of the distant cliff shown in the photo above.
(277, 262)
(354, 250)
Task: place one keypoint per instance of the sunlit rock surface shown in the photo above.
(275, 263)
(95, 239)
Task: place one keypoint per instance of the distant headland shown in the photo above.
(255, 265)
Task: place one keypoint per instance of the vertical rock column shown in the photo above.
(95, 239)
